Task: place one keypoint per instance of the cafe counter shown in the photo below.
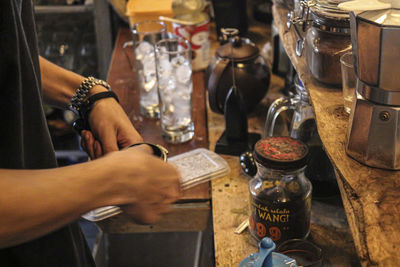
(227, 197)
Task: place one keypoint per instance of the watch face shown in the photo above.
(69, 116)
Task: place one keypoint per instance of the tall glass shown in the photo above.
(174, 73)
(145, 35)
(348, 80)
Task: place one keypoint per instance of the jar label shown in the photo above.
(280, 221)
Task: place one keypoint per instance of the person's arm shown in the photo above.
(110, 126)
(36, 202)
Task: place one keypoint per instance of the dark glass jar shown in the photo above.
(280, 193)
(326, 40)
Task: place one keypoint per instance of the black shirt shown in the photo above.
(24, 137)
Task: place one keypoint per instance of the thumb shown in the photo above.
(108, 140)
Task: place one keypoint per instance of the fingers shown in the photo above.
(87, 143)
(111, 126)
(98, 151)
(108, 139)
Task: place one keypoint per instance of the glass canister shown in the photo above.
(326, 40)
(280, 193)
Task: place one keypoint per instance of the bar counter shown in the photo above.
(229, 195)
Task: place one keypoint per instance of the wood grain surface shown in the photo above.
(371, 196)
(230, 207)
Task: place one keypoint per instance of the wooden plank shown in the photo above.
(370, 195)
(183, 218)
(58, 9)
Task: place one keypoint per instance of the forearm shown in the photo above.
(36, 202)
(60, 84)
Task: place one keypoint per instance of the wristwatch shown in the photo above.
(82, 92)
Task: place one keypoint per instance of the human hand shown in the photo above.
(147, 186)
(111, 129)
(94, 149)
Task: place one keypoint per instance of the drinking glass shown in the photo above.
(304, 252)
(174, 73)
(145, 35)
(348, 79)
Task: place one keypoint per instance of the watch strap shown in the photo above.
(158, 150)
(82, 92)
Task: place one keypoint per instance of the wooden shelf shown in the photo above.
(371, 196)
(60, 9)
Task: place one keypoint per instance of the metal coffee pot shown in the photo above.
(373, 136)
(303, 127)
(302, 124)
(252, 74)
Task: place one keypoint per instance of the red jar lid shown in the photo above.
(282, 153)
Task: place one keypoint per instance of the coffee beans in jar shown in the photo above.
(326, 40)
(280, 193)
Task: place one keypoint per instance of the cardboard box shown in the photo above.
(141, 10)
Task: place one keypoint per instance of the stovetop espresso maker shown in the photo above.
(373, 136)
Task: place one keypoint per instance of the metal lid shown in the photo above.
(329, 9)
(386, 17)
(282, 153)
(363, 5)
(242, 50)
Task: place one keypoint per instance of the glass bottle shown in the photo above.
(280, 193)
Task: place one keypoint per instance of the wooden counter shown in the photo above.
(371, 196)
(230, 207)
(192, 211)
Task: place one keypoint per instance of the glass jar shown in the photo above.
(326, 40)
(280, 193)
